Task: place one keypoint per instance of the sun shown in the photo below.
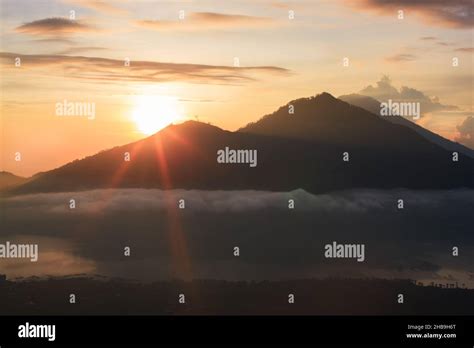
(154, 112)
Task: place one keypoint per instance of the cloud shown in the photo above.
(437, 41)
(215, 221)
(444, 43)
(458, 14)
(465, 49)
(358, 201)
(54, 26)
(113, 70)
(207, 21)
(81, 49)
(466, 132)
(98, 5)
(384, 90)
(280, 5)
(401, 58)
(59, 40)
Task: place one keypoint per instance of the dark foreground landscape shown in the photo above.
(210, 297)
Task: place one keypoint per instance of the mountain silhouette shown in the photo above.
(301, 150)
(328, 120)
(362, 101)
(9, 180)
(373, 105)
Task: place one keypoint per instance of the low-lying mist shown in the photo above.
(274, 241)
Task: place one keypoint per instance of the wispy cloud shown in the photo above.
(457, 14)
(58, 40)
(81, 49)
(444, 43)
(104, 69)
(401, 58)
(465, 49)
(280, 4)
(207, 21)
(435, 41)
(54, 26)
(99, 5)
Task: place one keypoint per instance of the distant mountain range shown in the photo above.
(373, 105)
(300, 150)
(9, 180)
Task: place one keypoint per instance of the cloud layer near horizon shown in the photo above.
(351, 201)
(275, 242)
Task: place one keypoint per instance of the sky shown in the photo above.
(145, 63)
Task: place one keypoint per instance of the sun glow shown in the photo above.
(154, 112)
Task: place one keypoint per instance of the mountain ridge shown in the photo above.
(373, 105)
(304, 150)
(9, 180)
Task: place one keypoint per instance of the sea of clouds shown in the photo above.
(275, 242)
